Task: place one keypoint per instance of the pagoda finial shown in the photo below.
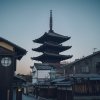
(50, 21)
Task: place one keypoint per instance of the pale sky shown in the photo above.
(22, 21)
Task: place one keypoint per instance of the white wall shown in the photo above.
(34, 75)
(39, 74)
(34, 80)
(43, 73)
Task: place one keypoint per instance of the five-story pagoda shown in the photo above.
(51, 46)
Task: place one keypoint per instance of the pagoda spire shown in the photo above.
(51, 22)
(51, 46)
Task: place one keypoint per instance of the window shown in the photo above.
(98, 67)
(85, 69)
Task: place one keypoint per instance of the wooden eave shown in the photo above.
(40, 66)
(52, 37)
(51, 47)
(20, 52)
(84, 58)
(49, 56)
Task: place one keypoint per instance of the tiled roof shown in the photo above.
(85, 76)
(57, 35)
(46, 56)
(51, 46)
(20, 51)
(87, 57)
(57, 38)
(40, 66)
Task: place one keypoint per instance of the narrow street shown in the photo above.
(28, 97)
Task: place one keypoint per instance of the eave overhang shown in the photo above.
(19, 51)
(51, 57)
(51, 47)
(54, 37)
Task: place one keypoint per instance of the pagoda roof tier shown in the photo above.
(51, 58)
(51, 37)
(49, 47)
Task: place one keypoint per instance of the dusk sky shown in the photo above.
(22, 21)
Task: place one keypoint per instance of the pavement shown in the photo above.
(31, 97)
(28, 97)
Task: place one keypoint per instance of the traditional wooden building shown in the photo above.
(85, 74)
(17, 88)
(44, 71)
(57, 89)
(86, 65)
(9, 54)
(76, 87)
(51, 46)
(81, 81)
(86, 86)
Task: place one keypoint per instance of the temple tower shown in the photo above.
(51, 46)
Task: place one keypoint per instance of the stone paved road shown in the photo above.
(26, 97)
(29, 97)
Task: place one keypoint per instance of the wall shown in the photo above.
(34, 75)
(43, 73)
(39, 74)
(84, 66)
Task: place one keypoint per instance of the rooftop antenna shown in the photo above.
(94, 49)
(51, 21)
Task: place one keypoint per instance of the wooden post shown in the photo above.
(3, 94)
(6, 94)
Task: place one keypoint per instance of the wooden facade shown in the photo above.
(9, 53)
(86, 65)
(86, 87)
(54, 90)
(79, 87)
(64, 93)
(45, 91)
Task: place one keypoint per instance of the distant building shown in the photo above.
(40, 72)
(86, 65)
(28, 77)
(81, 81)
(51, 46)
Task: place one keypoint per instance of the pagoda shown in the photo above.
(51, 46)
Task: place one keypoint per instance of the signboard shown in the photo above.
(6, 70)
